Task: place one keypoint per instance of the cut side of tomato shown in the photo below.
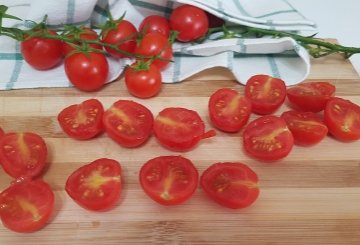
(266, 93)
(82, 121)
(310, 96)
(128, 123)
(268, 138)
(228, 110)
(306, 127)
(97, 185)
(26, 206)
(343, 119)
(1, 132)
(180, 129)
(23, 154)
(231, 184)
(169, 180)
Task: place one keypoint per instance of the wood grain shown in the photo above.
(310, 197)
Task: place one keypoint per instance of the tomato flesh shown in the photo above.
(231, 184)
(169, 180)
(97, 185)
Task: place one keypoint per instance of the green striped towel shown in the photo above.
(282, 58)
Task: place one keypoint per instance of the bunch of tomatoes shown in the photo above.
(85, 50)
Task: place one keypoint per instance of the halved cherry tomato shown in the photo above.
(231, 184)
(180, 129)
(23, 154)
(128, 123)
(97, 185)
(228, 110)
(26, 206)
(169, 180)
(343, 119)
(306, 127)
(155, 23)
(82, 121)
(266, 93)
(268, 138)
(310, 96)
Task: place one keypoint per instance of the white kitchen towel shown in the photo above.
(282, 58)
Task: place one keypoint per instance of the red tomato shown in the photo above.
(26, 206)
(343, 119)
(266, 93)
(155, 23)
(214, 21)
(143, 82)
(180, 129)
(123, 34)
(231, 184)
(42, 53)
(97, 185)
(128, 123)
(87, 72)
(268, 138)
(306, 127)
(228, 110)
(83, 33)
(1, 132)
(155, 44)
(82, 121)
(23, 154)
(191, 23)
(169, 180)
(310, 96)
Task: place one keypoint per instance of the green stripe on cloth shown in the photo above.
(230, 60)
(70, 11)
(177, 68)
(276, 13)
(241, 8)
(292, 7)
(11, 56)
(17, 68)
(151, 6)
(273, 66)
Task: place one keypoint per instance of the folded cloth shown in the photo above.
(282, 58)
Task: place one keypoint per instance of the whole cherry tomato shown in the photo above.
(155, 23)
(83, 33)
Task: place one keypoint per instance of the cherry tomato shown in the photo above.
(1, 132)
(169, 180)
(26, 206)
(343, 119)
(82, 121)
(96, 186)
(155, 44)
(128, 123)
(83, 33)
(231, 184)
(23, 154)
(306, 127)
(228, 110)
(42, 53)
(268, 138)
(143, 82)
(87, 72)
(310, 96)
(266, 93)
(214, 21)
(180, 129)
(155, 23)
(191, 22)
(123, 34)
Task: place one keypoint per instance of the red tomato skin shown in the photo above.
(29, 189)
(42, 53)
(124, 32)
(76, 185)
(14, 162)
(310, 96)
(88, 34)
(342, 117)
(1, 132)
(266, 93)
(225, 118)
(218, 175)
(191, 23)
(155, 23)
(143, 84)
(87, 72)
(254, 132)
(307, 127)
(75, 114)
(143, 120)
(163, 163)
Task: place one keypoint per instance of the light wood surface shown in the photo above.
(310, 197)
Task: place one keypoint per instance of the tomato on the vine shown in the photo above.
(83, 33)
(155, 23)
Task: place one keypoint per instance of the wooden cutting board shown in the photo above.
(310, 197)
